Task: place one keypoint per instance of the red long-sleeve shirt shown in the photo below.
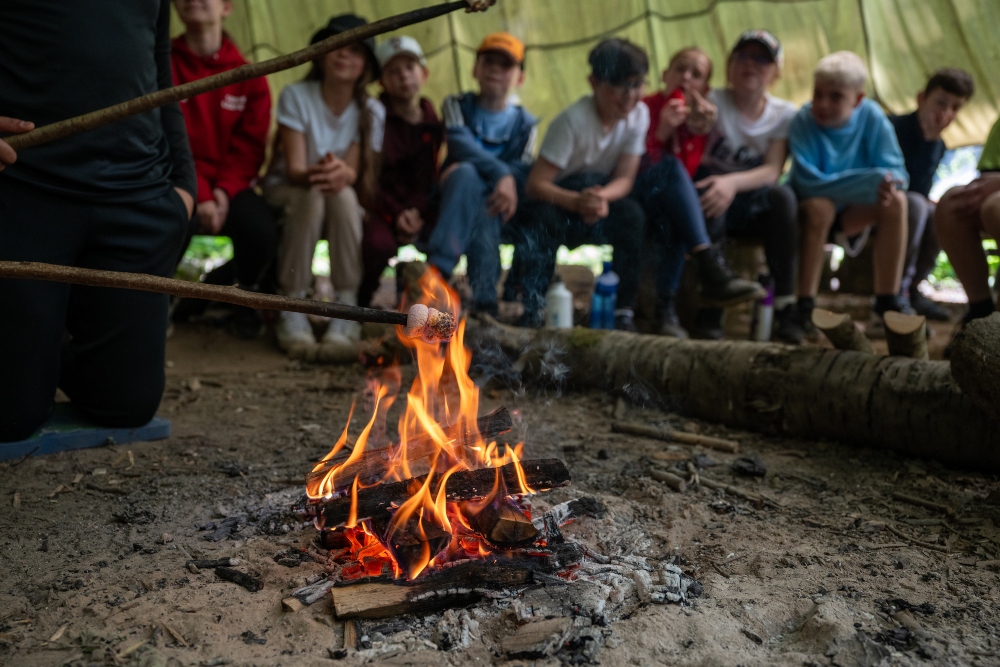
(686, 146)
(228, 128)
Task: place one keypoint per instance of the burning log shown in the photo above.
(373, 464)
(549, 523)
(415, 543)
(452, 586)
(503, 524)
(540, 474)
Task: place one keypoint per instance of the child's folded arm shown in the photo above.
(463, 147)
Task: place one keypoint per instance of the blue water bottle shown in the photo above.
(602, 306)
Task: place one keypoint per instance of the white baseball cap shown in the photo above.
(395, 46)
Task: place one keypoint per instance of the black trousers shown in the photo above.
(111, 366)
(543, 227)
(253, 228)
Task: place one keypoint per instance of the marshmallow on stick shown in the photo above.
(430, 324)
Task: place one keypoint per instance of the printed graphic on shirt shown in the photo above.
(234, 102)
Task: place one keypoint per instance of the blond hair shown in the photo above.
(845, 68)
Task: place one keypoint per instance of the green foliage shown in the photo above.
(204, 254)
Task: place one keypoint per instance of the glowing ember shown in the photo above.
(438, 437)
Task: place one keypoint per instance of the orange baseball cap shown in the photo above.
(504, 42)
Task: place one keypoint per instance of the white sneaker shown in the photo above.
(344, 331)
(294, 329)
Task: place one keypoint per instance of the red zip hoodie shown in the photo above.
(228, 128)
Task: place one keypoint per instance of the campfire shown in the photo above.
(444, 493)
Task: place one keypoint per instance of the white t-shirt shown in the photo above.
(577, 143)
(737, 143)
(301, 108)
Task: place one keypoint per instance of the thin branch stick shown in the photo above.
(94, 119)
(191, 290)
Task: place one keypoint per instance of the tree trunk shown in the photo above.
(910, 406)
(975, 362)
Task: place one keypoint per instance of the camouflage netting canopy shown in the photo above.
(902, 40)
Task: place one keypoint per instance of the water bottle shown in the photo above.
(602, 307)
(763, 311)
(558, 305)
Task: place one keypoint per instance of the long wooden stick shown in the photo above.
(191, 290)
(94, 119)
(670, 435)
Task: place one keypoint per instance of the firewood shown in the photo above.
(975, 363)
(540, 474)
(208, 563)
(374, 463)
(413, 542)
(671, 435)
(350, 635)
(537, 638)
(906, 335)
(502, 523)
(668, 478)
(908, 406)
(451, 586)
(840, 330)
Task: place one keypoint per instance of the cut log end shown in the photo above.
(906, 335)
(503, 524)
(840, 330)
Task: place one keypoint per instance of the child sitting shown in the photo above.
(581, 183)
(849, 176)
(228, 131)
(490, 142)
(680, 119)
(328, 130)
(919, 136)
(403, 210)
(964, 216)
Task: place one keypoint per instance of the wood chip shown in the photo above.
(131, 649)
(119, 459)
(291, 604)
(17, 499)
(78, 478)
(59, 633)
(350, 635)
(671, 456)
(57, 491)
(178, 636)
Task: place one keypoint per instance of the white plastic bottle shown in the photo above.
(558, 305)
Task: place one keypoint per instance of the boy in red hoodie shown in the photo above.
(228, 130)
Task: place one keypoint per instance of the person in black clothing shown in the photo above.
(118, 197)
(919, 136)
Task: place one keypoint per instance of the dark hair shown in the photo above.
(481, 53)
(367, 169)
(952, 80)
(615, 61)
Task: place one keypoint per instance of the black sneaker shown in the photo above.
(246, 323)
(809, 330)
(708, 325)
(625, 322)
(667, 323)
(788, 326)
(932, 310)
(720, 287)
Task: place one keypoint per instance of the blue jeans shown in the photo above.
(465, 228)
(673, 214)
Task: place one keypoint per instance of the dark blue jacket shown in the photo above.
(464, 145)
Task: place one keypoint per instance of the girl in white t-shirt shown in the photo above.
(329, 132)
(738, 177)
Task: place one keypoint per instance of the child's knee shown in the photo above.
(989, 212)
(817, 214)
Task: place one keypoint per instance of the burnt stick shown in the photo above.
(192, 290)
(540, 474)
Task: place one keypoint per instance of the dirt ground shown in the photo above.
(818, 577)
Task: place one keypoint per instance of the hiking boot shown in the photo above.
(708, 325)
(625, 321)
(876, 326)
(930, 309)
(903, 305)
(809, 330)
(246, 323)
(720, 287)
(294, 329)
(788, 326)
(667, 323)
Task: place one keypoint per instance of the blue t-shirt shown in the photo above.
(493, 129)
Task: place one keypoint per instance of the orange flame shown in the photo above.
(438, 433)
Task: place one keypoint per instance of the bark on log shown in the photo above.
(906, 335)
(840, 330)
(540, 474)
(374, 463)
(975, 362)
(910, 406)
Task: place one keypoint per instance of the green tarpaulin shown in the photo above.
(903, 41)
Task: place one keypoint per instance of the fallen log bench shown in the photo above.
(909, 406)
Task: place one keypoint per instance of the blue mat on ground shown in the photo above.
(66, 429)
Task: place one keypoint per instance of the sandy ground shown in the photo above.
(98, 576)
